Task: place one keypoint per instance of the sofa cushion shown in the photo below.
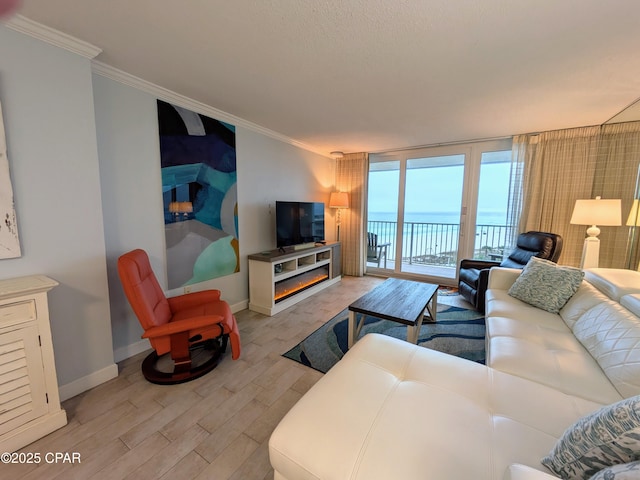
(502, 278)
(522, 472)
(606, 437)
(501, 304)
(611, 334)
(586, 297)
(546, 285)
(556, 359)
(391, 409)
(614, 282)
(558, 336)
(624, 471)
(631, 303)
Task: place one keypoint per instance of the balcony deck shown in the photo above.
(430, 249)
(434, 271)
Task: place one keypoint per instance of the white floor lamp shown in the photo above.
(595, 212)
(633, 221)
(338, 200)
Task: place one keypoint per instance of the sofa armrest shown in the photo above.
(502, 278)
(522, 472)
(479, 264)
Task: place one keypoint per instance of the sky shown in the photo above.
(439, 189)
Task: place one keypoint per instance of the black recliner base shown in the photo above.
(203, 357)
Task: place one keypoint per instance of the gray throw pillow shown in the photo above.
(607, 437)
(626, 471)
(546, 285)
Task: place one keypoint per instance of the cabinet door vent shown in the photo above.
(20, 360)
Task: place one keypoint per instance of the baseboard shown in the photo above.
(86, 383)
(96, 378)
(130, 350)
(243, 305)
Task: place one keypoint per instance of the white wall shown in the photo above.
(47, 100)
(84, 160)
(268, 170)
(130, 179)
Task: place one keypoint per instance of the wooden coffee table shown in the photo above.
(402, 301)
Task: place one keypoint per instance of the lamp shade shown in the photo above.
(181, 207)
(634, 215)
(597, 212)
(339, 200)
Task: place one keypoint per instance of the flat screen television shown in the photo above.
(299, 222)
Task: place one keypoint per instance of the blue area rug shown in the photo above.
(458, 331)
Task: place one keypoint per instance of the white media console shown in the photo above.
(279, 280)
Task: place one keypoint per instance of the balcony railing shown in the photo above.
(436, 244)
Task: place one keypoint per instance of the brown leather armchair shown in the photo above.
(178, 325)
(473, 275)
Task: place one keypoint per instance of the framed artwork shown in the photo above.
(200, 200)
(9, 242)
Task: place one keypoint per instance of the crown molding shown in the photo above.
(60, 39)
(52, 36)
(174, 98)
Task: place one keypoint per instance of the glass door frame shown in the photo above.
(472, 152)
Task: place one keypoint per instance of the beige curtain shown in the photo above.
(559, 167)
(561, 171)
(351, 175)
(523, 150)
(616, 177)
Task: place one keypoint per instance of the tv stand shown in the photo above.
(279, 280)
(304, 246)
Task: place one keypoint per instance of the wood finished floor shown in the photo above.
(216, 427)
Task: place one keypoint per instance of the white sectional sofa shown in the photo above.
(590, 349)
(393, 410)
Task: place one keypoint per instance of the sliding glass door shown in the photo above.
(382, 232)
(493, 233)
(432, 209)
(428, 208)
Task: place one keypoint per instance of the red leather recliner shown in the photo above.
(177, 325)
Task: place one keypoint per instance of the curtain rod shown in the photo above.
(492, 139)
(444, 144)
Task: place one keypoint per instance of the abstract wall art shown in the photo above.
(9, 242)
(200, 200)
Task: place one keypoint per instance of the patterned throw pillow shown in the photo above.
(546, 285)
(607, 437)
(626, 471)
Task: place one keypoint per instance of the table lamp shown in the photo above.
(595, 212)
(184, 208)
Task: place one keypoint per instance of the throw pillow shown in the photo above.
(626, 471)
(546, 285)
(609, 436)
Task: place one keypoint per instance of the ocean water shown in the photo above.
(441, 239)
(484, 218)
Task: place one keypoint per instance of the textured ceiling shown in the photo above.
(374, 75)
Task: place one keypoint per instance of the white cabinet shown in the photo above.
(29, 399)
(278, 280)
